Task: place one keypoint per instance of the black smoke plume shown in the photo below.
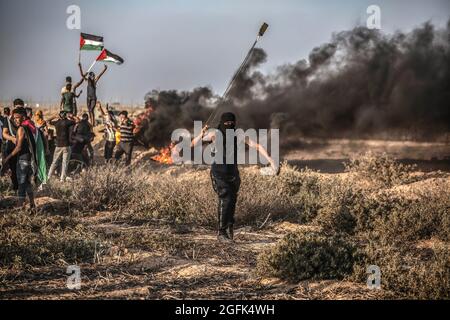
(361, 84)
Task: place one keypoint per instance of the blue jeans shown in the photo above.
(24, 175)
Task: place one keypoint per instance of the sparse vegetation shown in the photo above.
(377, 213)
(300, 256)
(34, 240)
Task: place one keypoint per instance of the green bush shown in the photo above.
(300, 256)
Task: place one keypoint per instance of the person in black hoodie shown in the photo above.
(225, 176)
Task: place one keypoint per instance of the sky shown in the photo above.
(175, 44)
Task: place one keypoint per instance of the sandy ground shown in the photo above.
(211, 270)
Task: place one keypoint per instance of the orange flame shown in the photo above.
(165, 155)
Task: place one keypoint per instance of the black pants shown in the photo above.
(124, 148)
(109, 149)
(227, 188)
(24, 175)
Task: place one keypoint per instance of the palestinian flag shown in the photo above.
(107, 56)
(90, 42)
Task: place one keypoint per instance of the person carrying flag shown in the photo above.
(92, 81)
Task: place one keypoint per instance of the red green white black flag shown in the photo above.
(91, 42)
(107, 56)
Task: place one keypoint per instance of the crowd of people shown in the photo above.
(35, 148)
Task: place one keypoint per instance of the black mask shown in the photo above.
(227, 117)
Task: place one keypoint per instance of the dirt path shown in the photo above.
(205, 269)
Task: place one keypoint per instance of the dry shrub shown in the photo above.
(5, 186)
(340, 208)
(287, 196)
(382, 170)
(174, 200)
(411, 273)
(190, 198)
(100, 188)
(386, 216)
(311, 255)
(410, 220)
(301, 192)
(40, 240)
(162, 241)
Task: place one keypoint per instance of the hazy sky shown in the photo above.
(175, 44)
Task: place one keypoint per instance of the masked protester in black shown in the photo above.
(225, 176)
(226, 181)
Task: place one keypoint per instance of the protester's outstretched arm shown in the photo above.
(83, 75)
(200, 136)
(263, 152)
(79, 83)
(101, 73)
(79, 94)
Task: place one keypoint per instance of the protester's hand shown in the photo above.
(106, 67)
(205, 128)
(275, 167)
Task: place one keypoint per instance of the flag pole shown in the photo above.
(261, 32)
(92, 65)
